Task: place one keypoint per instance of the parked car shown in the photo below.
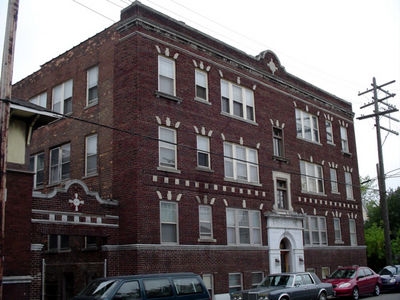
(390, 278)
(301, 286)
(172, 286)
(354, 281)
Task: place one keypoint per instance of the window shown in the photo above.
(315, 231)
(167, 147)
(237, 101)
(337, 229)
(349, 185)
(281, 194)
(334, 182)
(166, 75)
(157, 288)
(201, 85)
(325, 271)
(169, 222)
(208, 280)
(203, 151)
(205, 222)
(277, 140)
(62, 98)
(243, 227)
(129, 290)
(58, 243)
(240, 163)
(186, 286)
(90, 242)
(256, 278)
(36, 163)
(40, 100)
(60, 163)
(307, 126)
(311, 177)
(344, 140)
(235, 282)
(91, 155)
(353, 232)
(92, 93)
(329, 132)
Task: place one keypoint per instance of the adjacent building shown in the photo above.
(178, 152)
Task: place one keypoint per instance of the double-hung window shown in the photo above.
(91, 155)
(277, 140)
(58, 243)
(240, 163)
(353, 232)
(235, 282)
(349, 185)
(329, 131)
(169, 222)
(92, 86)
(338, 230)
(201, 85)
(344, 139)
(205, 222)
(334, 181)
(315, 232)
(203, 151)
(166, 75)
(60, 163)
(237, 101)
(243, 227)
(40, 100)
(62, 97)
(167, 147)
(311, 177)
(307, 126)
(36, 163)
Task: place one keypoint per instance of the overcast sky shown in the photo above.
(337, 45)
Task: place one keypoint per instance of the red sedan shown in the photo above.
(354, 281)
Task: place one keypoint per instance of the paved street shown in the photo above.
(385, 296)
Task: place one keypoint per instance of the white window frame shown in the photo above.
(62, 97)
(37, 166)
(334, 180)
(254, 278)
(307, 126)
(280, 176)
(167, 144)
(349, 186)
(241, 163)
(92, 89)
(344, 139)
(40, 100)
(235, 97)
(329, 132)
(277, 141)
(242, 221)
(338, 230)
(91, 151)
(166, 75)
(205, 221)
(235, 282)
(353, 232)
(169, 221)
(60, 165)
(317, 234)
(203, 149)
(208, 280)
(201, 84)
(312, 177)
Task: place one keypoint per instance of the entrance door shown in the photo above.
(285, 255)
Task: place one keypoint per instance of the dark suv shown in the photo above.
(172, 286)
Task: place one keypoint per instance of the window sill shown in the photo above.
(171, 170)
(314, 193)
(242, 181)
(168, 97)
(201, 100)
(239, 118)
(339, 242)
(91, 104)
(204, 169)
(348, 154)
(280, 158)
(207, 240)
(309, 141)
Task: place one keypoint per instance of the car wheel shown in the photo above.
(377, 290)
(355, 294)
(322, 296)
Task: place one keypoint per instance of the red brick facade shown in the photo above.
(118, 207)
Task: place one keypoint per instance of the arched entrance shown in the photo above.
(285, 247)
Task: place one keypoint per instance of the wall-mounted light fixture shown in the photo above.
(301, 260)
(277, 260)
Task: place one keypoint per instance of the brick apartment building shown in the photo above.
(178, 152)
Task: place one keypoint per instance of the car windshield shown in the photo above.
(99, 288)
(277, 280)
(344, 273)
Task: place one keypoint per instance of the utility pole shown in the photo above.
(5, 93)
(378, 112)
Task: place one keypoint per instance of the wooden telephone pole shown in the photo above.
(5, 93)
(378, 112)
